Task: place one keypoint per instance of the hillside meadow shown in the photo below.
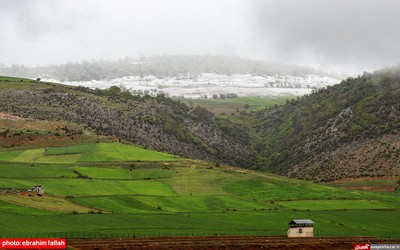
(238, 104)
(114, 189)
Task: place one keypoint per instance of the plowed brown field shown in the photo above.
(226, 242)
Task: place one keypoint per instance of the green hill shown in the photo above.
(113, 190)
(350, 130)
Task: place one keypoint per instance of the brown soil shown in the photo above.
(226, 242)
(366, 179)
(390, 188)
(374, 189)
(11, 191)
(4, 116)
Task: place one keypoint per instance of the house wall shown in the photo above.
(300, 232)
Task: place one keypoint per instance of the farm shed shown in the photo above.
(301, 228)
(38, 190)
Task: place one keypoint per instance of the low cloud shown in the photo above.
(344, 35)
(341, 34)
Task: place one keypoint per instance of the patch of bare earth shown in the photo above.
(387, 183)
(17, 132)
(226, 242)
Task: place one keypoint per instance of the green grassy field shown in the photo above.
(25, 171)
(78, 149)
(113, 189)
(91, 187)
(120, 152)
(335, 204)
(230, 105)
(7, 155)
(99, 152)
(288, 189)
(45, 203)
(123, 173)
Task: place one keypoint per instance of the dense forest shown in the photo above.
(161, 66)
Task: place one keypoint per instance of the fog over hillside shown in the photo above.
(206, 47)
(160, 66)
(189, 76)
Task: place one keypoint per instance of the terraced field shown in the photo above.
(112, 189)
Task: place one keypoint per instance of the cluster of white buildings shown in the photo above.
(207, 85)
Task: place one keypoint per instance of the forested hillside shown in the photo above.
(158, 123)
(347, 130)
(160, 66)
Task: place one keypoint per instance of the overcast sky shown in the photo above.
(341, 35)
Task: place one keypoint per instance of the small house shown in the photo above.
(301, 228)
(38, 190)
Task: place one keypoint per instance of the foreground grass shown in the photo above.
(327, 223)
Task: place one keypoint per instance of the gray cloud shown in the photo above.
(347, 35)
(48, 31)
(340, 34)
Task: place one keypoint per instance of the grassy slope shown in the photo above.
(45, 203)
(119, 152)
(230, 105)
(175, 197)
